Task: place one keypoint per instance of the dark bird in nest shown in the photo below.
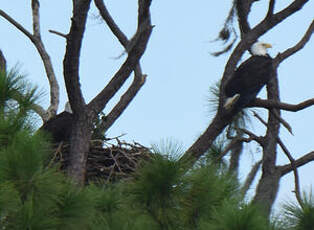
(59, 127)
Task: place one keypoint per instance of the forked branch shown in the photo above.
(36, 40)
(270, 104)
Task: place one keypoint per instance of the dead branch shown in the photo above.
(139, 42)
(306, 37)
(295, 171)
(252, 136)
(139, 78)
(59, 33)
(111, 23)
(298, 163)
(270, 104)
(281, 120)
(250, 177)
(36, 40)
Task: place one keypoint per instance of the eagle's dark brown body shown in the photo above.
(59, 127)
(249, 79)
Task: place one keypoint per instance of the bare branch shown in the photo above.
(35, 13)
(306, 37)
(123, 102)
(41, 112)
(252, 136)
(295, 171)
(17, 25)
(36, 40)
(139, 78)
(282, 121)
(137, 47)
(270, 104)
(111, 23)
(59, 33)
(298, 163)
(250, 177)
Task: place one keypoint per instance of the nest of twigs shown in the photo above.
(108, 161)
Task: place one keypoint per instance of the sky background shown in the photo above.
(173, 103)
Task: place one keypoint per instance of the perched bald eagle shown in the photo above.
(59, 127)
(249, 78)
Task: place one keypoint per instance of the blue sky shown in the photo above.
(173, 103)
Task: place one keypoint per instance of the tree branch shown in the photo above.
(306, 37)
(270, 11)
(298, 163)
(111, 23)
(270, 104)
(59, 33)
(139, 78)
(137, 47)
(295, 171)
(17, 25)
(36, 40)
(250, 177)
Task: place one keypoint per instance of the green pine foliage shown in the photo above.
(300, 218)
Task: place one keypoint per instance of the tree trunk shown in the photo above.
(80, 141)
(268, 185)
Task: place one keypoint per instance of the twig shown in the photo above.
(281, 120)
(295, 171)
(58, 33)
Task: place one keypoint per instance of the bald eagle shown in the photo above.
(59, 127)
(249, 78)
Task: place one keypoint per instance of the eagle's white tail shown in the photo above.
(231, 101)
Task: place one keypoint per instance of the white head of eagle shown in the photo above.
(260, 48)
(249, 78)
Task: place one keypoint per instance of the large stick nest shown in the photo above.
(108, 161)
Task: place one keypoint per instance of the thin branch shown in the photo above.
(17, 25)
(295, 171)
(137, 47)
(124, 101)
(111, 23)
(306, 37)
(298, 163)
(252, 136)
(36, 40)
(35, 14)
(139, 78)
(270, 104)
(281, 120)
(59, 33)
(250, 177)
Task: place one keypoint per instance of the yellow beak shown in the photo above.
(267, 45)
